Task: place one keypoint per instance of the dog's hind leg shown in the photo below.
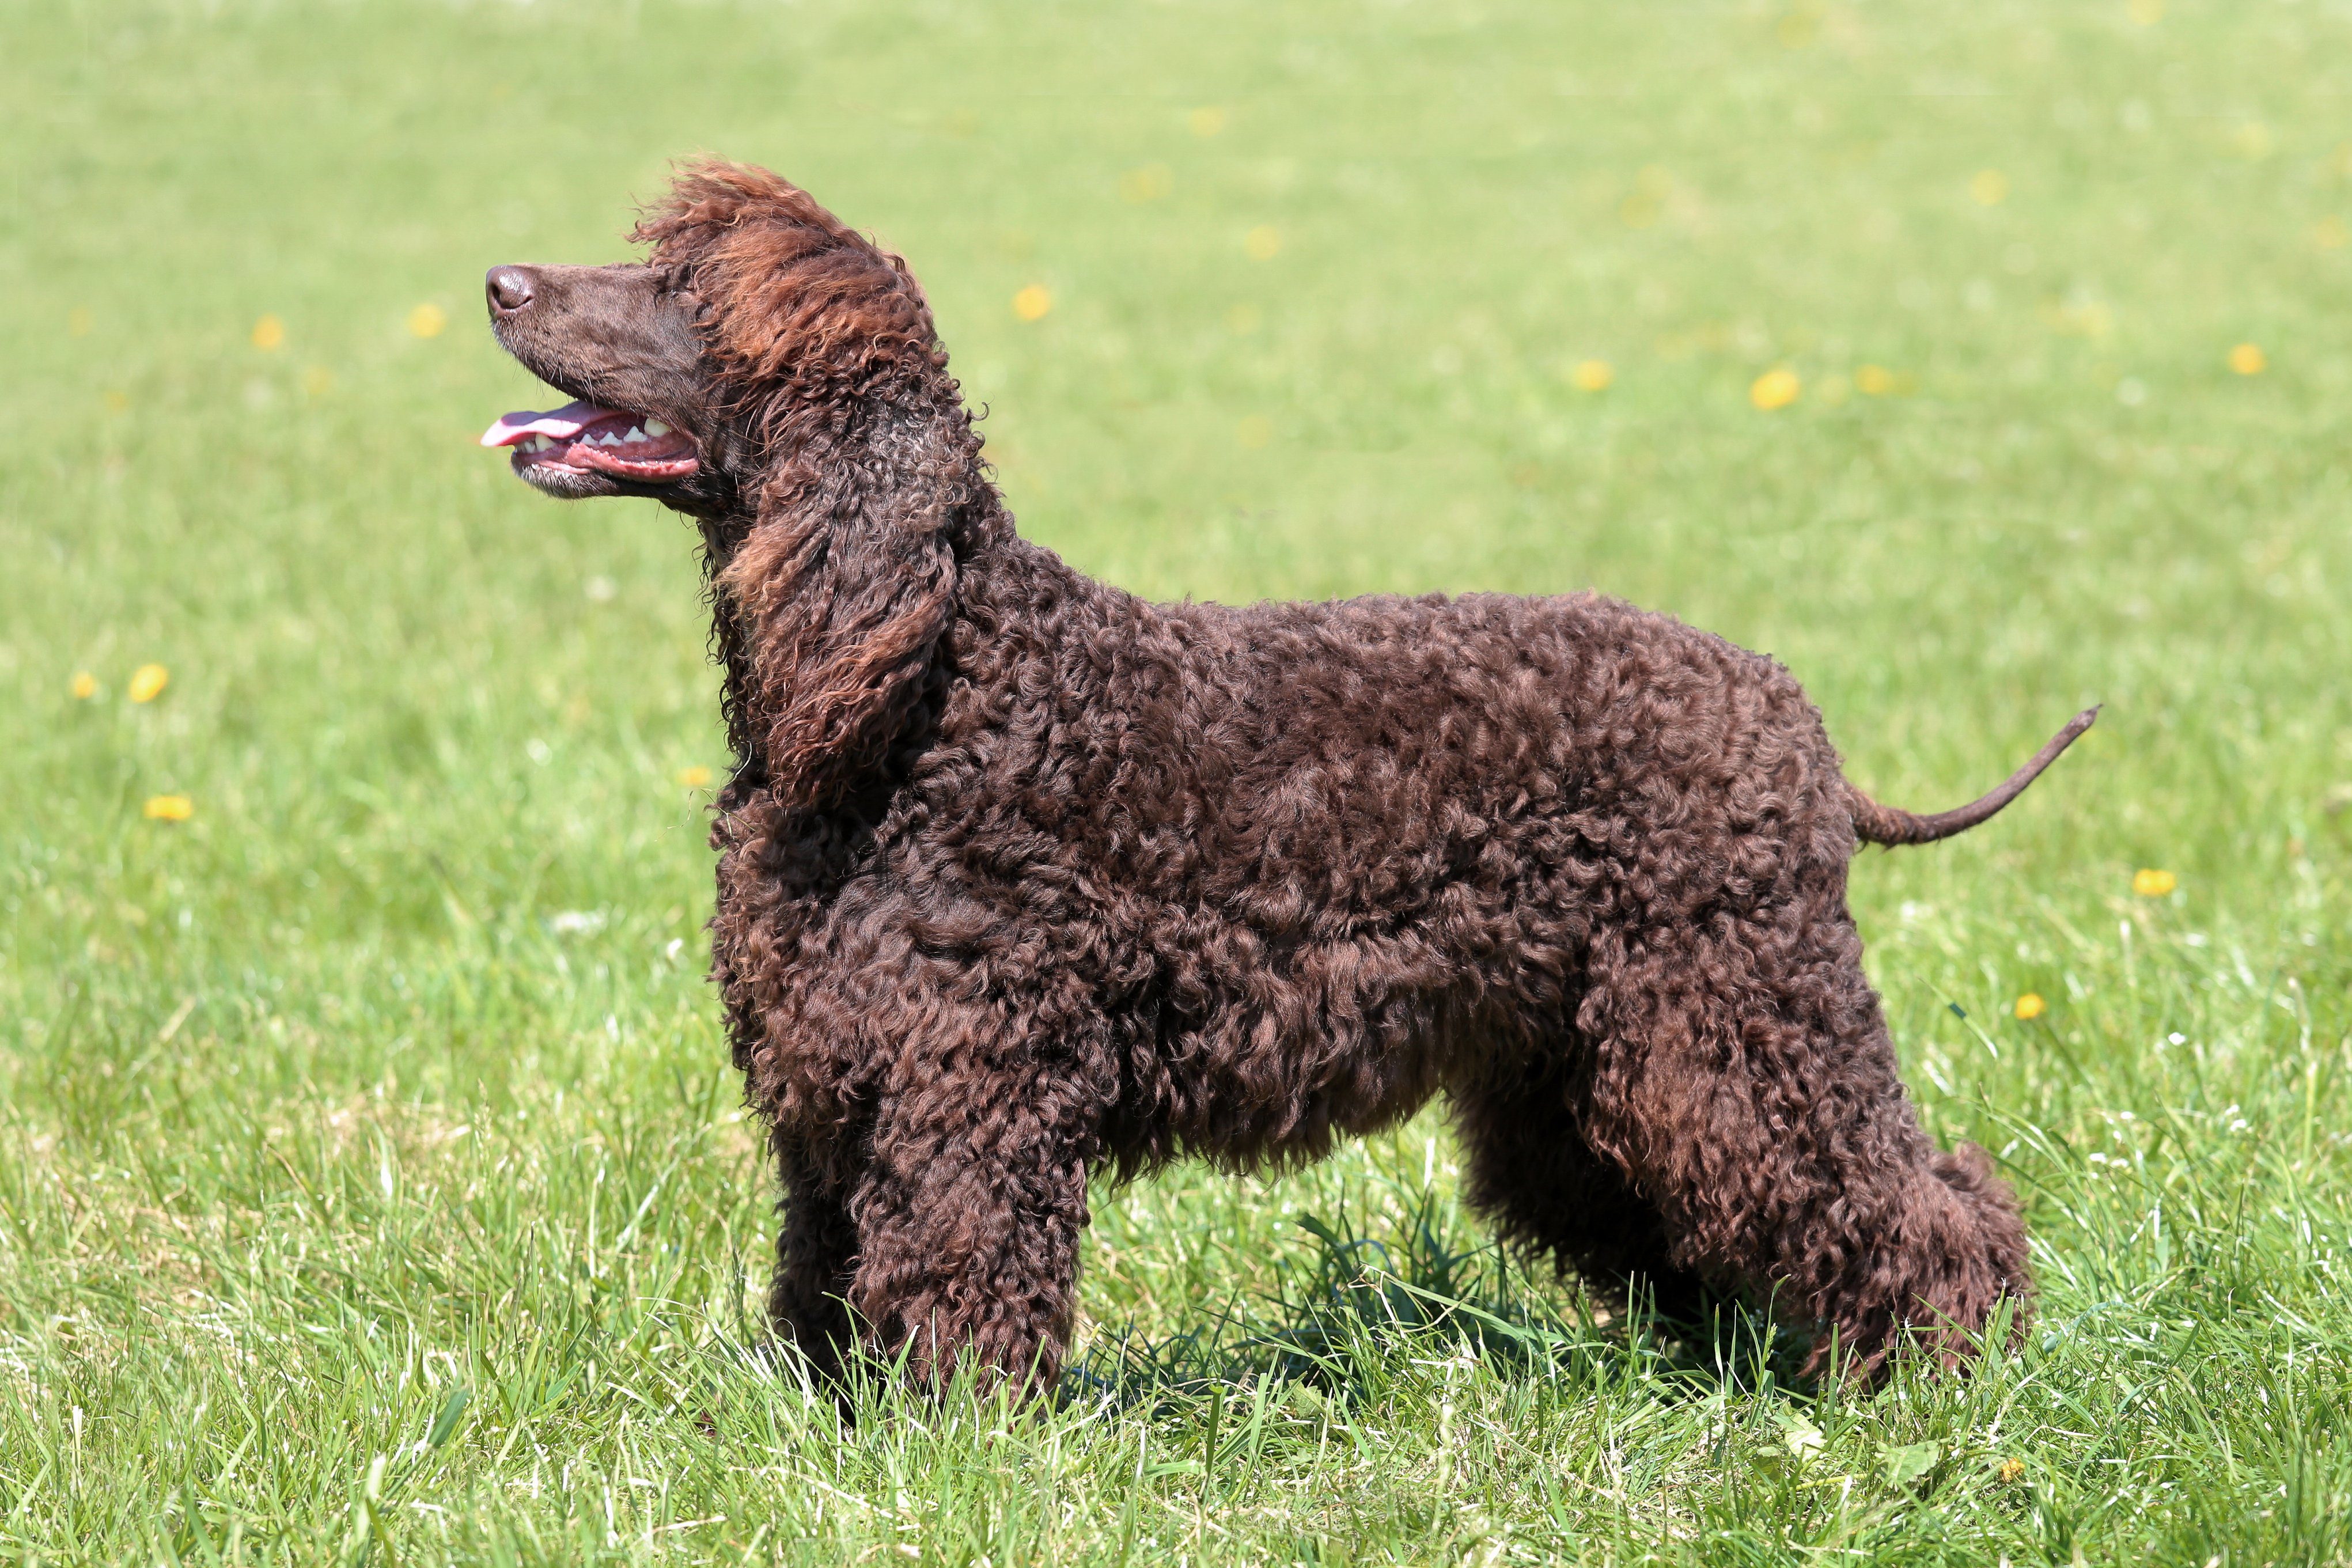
(1744, 1080)
(1531, 1172)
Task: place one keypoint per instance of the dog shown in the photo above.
(1023, 880)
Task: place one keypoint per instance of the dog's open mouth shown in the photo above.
(582, 438)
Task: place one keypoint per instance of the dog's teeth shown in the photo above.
(655, 429)
(635, 434)
(608, 440)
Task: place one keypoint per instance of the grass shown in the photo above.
(371, 1186)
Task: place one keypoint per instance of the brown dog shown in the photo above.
(1022, 879)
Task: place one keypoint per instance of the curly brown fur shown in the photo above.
(1022, 879)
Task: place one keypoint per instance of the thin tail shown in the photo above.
(1876, 824)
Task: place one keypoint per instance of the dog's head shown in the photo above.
(685, 370)
(777, 375)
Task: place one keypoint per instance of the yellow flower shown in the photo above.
(318, 381)
(1647, 204)
(1775, 389)
(2153, 884)
(426, 320)
(1264, 243)
(2011, 1470)
(2331, 234)
(2248, 359)
(1874, 380)
(1206, 121)
(1989, 186)
(147, 682)
(77, 321)
(84, 686)
(168, 808)
(1801, 27)
(1254, 432)
(117, 401)
(2147, 13)
(1593, 376)
(1031, 303)
(1148, 183)
(269, 333)
(694, 777)
(2031, 1006)
(2081, 317)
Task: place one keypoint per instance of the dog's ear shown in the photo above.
(840, 593)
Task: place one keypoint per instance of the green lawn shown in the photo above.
(371, 1184)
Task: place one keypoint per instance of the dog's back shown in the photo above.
(1313, 856)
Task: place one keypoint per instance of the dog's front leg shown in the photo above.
(967, 1219)
(814, 1253)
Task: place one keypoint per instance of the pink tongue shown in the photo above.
(562, 424)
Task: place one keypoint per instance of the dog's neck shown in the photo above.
(836, 575)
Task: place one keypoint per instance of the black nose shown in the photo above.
(510, 289)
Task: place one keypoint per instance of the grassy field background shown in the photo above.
(371, 1186)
